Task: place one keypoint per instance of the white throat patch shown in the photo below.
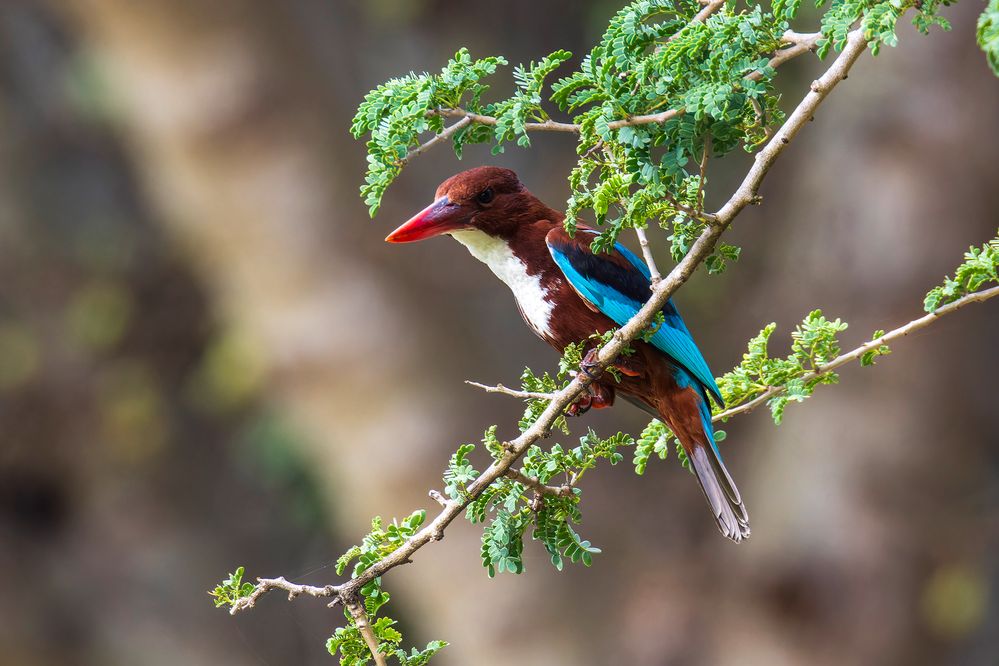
(501, 260)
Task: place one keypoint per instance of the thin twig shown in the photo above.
(643, 241)
(693, 213)
(843, 359)
(356, 611)
(799, 43)
(535, 484)
(265, 585)
(768, 132)
(546, 126)
(443, 136)
(704, 170)
(499, 388)
(809, 40)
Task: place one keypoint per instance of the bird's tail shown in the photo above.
(719, 488)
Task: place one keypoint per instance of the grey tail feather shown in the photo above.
(720, 491)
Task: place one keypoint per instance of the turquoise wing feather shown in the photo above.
(619, 293)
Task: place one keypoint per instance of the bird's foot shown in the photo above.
(580, 405)
(596, 396)
(590, 365)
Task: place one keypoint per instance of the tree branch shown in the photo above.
(356, 611)
(707, 218)
(699, 251)
(799, 43)
(265, 585)
(843, 359)
(546, 126)
(440, 138)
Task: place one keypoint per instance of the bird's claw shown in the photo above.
(595, 396)
(581, 405)
(590, 365)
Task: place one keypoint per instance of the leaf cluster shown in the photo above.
(711, 78)
(353, 651)
(525, 105)
(814, 343)
(509, 507)
(980, 267)
(656, 439)
(988, 34)
(715, 79)
(232, 589)
(878, 19)
(396, 113)
(380, 542)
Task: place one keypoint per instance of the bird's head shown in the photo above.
(489, 199)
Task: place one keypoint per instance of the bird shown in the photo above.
(566, 293)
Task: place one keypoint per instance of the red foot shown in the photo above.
(596, 396)
(591, 366)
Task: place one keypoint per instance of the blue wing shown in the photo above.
(618, 289)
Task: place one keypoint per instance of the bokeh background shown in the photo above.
(208, 356)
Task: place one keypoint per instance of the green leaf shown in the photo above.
(459, 472)
(396, 114)
(232, 589)
(653, 440)
(868, 357)
(988, 34)
(980, 268)
(814, 344)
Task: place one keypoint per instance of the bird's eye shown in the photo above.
(485, 196)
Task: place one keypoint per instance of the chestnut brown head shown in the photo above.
(490, 199)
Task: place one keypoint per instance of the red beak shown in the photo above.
(438, 218)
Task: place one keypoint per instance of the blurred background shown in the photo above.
(205, 347)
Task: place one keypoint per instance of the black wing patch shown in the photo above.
(628, 281)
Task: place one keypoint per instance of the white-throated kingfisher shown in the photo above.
(566, 293)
